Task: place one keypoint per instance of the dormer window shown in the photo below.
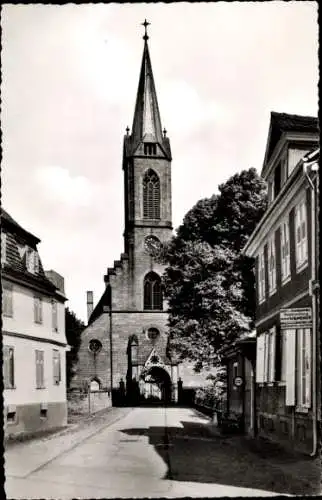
(150, 149)
(32, 261)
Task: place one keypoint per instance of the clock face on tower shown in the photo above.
(152, 245)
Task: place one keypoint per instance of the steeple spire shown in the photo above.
(146, 122)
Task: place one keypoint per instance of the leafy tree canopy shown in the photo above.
(74, 328)
(209, 285)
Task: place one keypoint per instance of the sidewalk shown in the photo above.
(22, 458)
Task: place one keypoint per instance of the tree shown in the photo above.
(209, 285)
(74, 328)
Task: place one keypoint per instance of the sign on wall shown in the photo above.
(300, 317)
(238, 381)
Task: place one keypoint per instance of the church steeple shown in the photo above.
(146, 122)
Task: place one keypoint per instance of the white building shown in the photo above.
(33, 335)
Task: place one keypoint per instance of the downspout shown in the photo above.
(314, 329)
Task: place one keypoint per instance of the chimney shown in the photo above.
(89, 304)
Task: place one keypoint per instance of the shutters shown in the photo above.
(56, 367)
(260, 346)
(7, 299)
(272, 352)
(307, 367)
(290, 344)
(39, 369)
(8, 367)
(54, 315)
(38, 310)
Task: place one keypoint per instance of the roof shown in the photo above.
(146, 119)
(15, 265)
(283, 122)
(146, 125)
(8, 221)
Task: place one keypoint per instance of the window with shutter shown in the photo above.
(56, 366)
(271, 265)
(151, 195)
(7, 300)
(285, 250)
(283, 355)
(260, 353)
(304, 368)
(40, 379)
(261, 277)
(8, 367)
(290, 351)
(54, 315)
(272, 354)
(37, 309)
(301, 234)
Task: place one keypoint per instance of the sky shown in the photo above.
(69, 81)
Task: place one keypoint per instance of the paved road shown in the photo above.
(146, 452)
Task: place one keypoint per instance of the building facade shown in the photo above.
(124, 346)
(285, 247)
(33, 335)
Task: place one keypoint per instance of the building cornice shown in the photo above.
(32, 284)
(36, 339)
(282, 305)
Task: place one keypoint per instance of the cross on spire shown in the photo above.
(145, 24)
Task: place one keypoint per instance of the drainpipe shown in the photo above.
(313, 293)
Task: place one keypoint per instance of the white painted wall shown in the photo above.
(22, 320)
(25, 373)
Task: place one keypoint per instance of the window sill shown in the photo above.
(260, 302)
(301, 409)
(272, 292)
(10, 388)
(285, 280)
(12, 422)
(281, 384)
(7, 315)
(40, 388)
(38, 322)
(302, 266)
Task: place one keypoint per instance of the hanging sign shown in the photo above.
(296, 318)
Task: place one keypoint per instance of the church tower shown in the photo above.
(147, 185)
(125, 343)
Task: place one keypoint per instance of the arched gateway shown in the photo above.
(129, 322)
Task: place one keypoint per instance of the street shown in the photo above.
(144, 452)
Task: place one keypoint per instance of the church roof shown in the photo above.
(146, 122)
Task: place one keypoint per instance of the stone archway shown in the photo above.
(159, 379)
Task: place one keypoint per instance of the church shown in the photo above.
(125, 344)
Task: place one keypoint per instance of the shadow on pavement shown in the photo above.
(222, 460)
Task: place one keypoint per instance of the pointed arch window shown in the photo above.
(151, 195)
(152, 292)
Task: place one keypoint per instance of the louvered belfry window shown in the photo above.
(152, 292)
(151, 195)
